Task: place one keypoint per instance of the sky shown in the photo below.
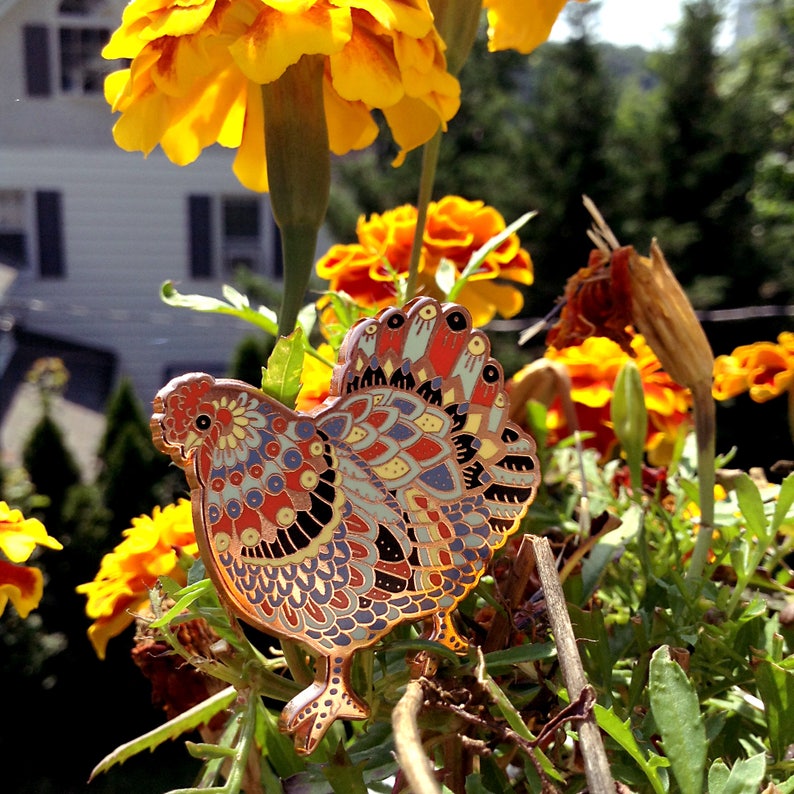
(649, 23)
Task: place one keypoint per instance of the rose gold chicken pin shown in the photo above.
(383, 505)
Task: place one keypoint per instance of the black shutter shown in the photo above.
(200, 239)
(36, 39)
(49, 220)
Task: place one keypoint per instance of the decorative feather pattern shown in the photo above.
(385, 505)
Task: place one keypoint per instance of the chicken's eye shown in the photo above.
(203, 422)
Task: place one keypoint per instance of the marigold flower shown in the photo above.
(521, 25)
(198, 66)
(593, 367)
(21, 584)
(152, 547)
(765, 369)
(454, 230)
(316, 379)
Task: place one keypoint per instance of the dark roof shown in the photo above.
(91, 369)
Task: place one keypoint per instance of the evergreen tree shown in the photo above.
(697, 202)
(567, 155)
(50, 465)
(770, 63)
(249, 358)
(134, 476)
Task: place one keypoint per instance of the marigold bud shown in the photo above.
(665, 317)
(630, 418)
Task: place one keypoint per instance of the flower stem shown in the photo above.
(457, 22)
(705, 431)
(298, 172)
(430, 152)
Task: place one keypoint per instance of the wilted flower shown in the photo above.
(152, 547)
(593, 367)
(455, 229)
(765, 369)
(597, 303)
(198, 67)
(23, 585)
(663, 314)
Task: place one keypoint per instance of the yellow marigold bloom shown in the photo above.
(521, 25)
(765, 369)
(198, 66)
(151, 548)
(21, 584)
(455, 229)
(593, 367)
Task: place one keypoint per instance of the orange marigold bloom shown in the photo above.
(593, 367)
(765, 369)
(455, 229)
(152, 547)
(198, 66)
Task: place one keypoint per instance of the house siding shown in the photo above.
(125, 232)
(124, 220)
(53, 118)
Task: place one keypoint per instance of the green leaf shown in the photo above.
(501, 662)
(514, 719)
(307, 317)
(676, 711)
(344, 777)
(752, 506)
(445, 276)
(476, 259)
(744, 778)
(776, 688)
(264, 318)
(474, 784)
(184, 598)
(785, 499)
(718, 775)
(187, 721)
(206, 752)
(279, 748)
(235, 298)
(620, 731)
(282, 377)
(607, 547)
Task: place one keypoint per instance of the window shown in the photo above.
(241, 235)
(13, 229)
(83, 29)
(247, 236)
(83, 32)
(83, 68)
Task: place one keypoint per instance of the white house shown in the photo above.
(91, 232)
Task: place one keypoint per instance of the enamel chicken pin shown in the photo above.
(383, 505)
